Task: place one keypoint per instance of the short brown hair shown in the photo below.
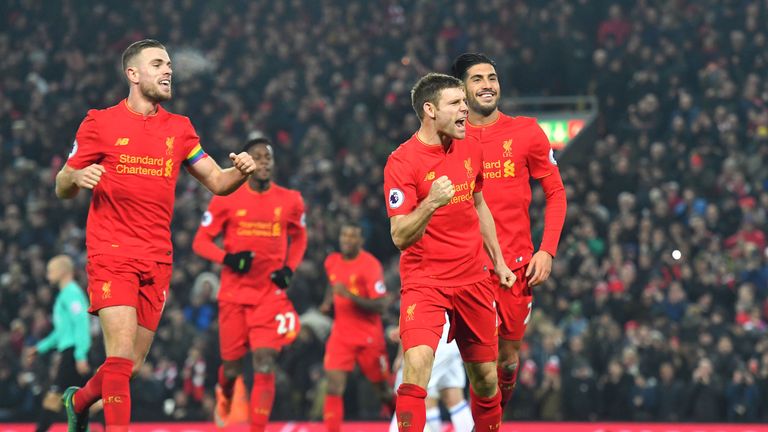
(428, 88)
(137, 47)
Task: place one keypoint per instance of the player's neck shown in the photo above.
(141, 105)
(478, 119)
(350, 257)
(260, 185)
(431, 137)
(64, 282)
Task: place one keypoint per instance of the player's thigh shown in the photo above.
(154, 285)
(233, 331)
(112, 281)
(339, 354)
(422, 315)
(475, 321)
(272, 324)
(373, 362)
(514, 307)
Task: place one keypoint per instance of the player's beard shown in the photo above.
(153, 94)
(483, 110)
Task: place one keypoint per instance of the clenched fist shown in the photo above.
(88, 177)
(441, 192)
(243, 162)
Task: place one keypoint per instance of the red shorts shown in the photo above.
(272, 324)
(343, 353)
(121, 281)
(514, 306)
(471, 308)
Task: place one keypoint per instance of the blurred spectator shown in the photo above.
(742, 398)
(704, 394)
(670, 395)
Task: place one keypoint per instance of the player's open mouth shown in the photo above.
(486, 96)
(165, 83)
(460, 123)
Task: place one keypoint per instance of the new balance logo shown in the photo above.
(122, 142)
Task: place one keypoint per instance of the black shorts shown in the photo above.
(66, 373)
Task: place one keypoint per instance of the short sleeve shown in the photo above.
(298, 216)
(194, 151)
(215, 218)
(399, 187)
(328, 266)
(87, 148)
(376, 287)
(541, 157)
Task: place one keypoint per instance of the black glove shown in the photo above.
(282, 277)
(239, 262)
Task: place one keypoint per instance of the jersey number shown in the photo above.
(528, 317)
(285, 322)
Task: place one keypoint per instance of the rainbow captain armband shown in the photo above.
(195, 155)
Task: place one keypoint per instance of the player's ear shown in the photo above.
(429, 110)
(132, 74)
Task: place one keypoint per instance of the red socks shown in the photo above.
(262, 397)
(116, 393)
(507, 382)
(410, 409)
(90, 393)
(227, 385)
(486, 412)
(333, 413)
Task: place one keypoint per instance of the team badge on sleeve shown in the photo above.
(380, 288)
(552, 157)
(396, 198)
(206, 219)
(73, 151)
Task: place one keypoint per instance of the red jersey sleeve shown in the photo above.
(212, 224)
(194, 151)
(375, 280)
(86, 149)
(399, 187)
(543, 167)
(541, 159)
(297, 232)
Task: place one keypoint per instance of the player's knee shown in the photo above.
(264, 361)
(232, 369)
(335, 386)
(485, 382)
(508, 352)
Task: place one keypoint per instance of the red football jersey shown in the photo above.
(363, 277)
(132, 206)
(515, 149)
(451, 251)
(259, 222)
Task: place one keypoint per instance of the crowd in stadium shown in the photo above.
(623, 330)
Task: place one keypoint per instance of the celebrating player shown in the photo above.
(264, 238)
(515, 149)
(130, 155)
(356, 288)
(439, 220)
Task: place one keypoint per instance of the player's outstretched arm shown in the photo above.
(69, 181)
(223, 181)
(491, 242)
(408, 229)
